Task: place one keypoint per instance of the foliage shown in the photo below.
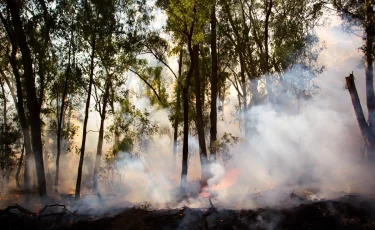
(223, 146)
(8, 146)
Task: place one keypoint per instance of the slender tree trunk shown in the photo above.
(254, 92)
(369, 65)
(32, 102)
(23, 122)
(185, 146)
(266, 61)
(80, 165)
(101, 135)
(2, 148)
(244, 93)
(60, 123)
(214, 83)
(4, 107)
(177, 113)
(199, 115)
(19, 167)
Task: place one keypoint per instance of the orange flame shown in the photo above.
(228, 180)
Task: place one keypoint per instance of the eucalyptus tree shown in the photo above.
(186, 20)
(122, 40)
(213, 82)
(92, 20)
(67, 79)
(28, 26)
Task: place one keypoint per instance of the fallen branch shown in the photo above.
(19, 208)
(65, 210)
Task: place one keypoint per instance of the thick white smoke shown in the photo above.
(316, 150)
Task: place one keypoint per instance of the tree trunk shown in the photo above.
(60, 123)
(19, 167)
(369, 65)
(23, 122)
(32, 102)
(367, 135)
(80, 165)
(214, 83)
(185, 146)
(4, 107)
(199, 115)
(101, 135)
(18, 37)
(2, 148)
(177, 113)
(244, 93)
(266, 61)
(254, 92)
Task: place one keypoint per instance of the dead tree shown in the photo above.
(366, 132)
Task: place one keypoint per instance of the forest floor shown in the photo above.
(346, 212)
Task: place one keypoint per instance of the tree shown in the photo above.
(186, 20)
(362, 13)
(214, 83)
(17, 34)
(90, 28)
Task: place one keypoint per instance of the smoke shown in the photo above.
(317, 149)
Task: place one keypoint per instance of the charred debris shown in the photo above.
(347, 212)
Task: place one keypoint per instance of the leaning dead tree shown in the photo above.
(367, 134)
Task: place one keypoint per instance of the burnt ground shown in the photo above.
(348, 212)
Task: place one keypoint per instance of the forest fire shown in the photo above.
(181, 114)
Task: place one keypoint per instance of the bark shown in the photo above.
(19, 167)
(367, 135)
(32, 102)
(254, 92)
(177, 117)
(4, 97)
(23, 121)
(4, 107)
(199, 114)
(82, 153)
(244, 93)
(369, 65)
(185, 146)
(60, 122)
(214, 83)
(101, 134)
(266, 61)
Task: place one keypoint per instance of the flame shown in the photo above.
(228, 180)
(205, 192)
